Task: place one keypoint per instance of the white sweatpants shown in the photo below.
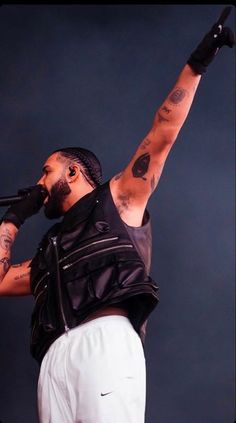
(94, 374)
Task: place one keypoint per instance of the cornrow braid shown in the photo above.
(89, 162)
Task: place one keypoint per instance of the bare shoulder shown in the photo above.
(130, 212)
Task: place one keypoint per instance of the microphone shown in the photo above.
(22, 193)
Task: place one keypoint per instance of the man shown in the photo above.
(90, 276)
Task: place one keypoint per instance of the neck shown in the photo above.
(75, 196)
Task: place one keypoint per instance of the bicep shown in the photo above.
(142, 174)
(17, 280)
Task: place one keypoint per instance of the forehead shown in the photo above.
(55, 160)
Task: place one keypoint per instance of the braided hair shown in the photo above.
(90, 164)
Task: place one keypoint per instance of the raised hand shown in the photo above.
(217, 37)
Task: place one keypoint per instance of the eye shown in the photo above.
(46, 171)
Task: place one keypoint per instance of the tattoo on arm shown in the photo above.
(177, 96)
(22, 275)
(141, 165)
(6, 240)
(145, 143)
(161, 118)
(5, 261)
(155, 178)
(116, 177)
(165, 109)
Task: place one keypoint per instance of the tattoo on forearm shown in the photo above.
(165, 109)
(145, 143)
(6, 240)
(177, 96)
(141, 165)
(5, 261)
(161, 118)
(16, 278)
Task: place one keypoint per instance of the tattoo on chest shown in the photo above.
(141, 165)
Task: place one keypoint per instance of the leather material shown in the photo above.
(96, 264)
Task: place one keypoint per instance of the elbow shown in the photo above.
(164, 137)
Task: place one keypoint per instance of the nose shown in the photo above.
(40, 181)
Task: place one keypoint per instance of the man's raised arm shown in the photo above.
(132, 188)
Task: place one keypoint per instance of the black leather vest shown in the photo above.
(89, 261)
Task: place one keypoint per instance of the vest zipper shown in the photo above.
(58, 280)
(114, 238)
(40, 293)
(115, 247)
(40, 280)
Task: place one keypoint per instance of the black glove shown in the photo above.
(31, 204)
(216, 38)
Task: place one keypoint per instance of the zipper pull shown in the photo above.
(54, 240)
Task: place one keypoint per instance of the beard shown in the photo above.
(53, 209)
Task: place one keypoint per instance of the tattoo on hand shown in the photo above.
(6, 240)
(5, 261)
(177, 96)
(140, 166)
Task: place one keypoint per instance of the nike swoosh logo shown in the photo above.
(105, 393)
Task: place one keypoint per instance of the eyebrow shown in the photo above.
(46, 167)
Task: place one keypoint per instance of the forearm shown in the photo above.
(8, 233)
(171, 116)
(15, 280)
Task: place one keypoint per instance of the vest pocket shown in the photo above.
(93, 285)
(103, 278)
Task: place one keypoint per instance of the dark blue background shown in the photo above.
(94, 76)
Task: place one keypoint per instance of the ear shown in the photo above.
(72, 172)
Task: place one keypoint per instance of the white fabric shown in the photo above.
(94, 374)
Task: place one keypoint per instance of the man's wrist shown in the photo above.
(10, 217)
